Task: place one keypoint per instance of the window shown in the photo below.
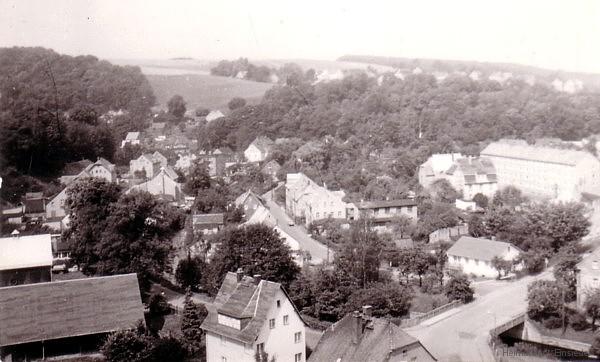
(339, 214)
(223, 340)
(260, 348)
(297, 337)
(317, 215)
(271, 323)
(298, 357)
(223, 359)
(387, 210)
(278, 303)
(286, 320)
(409, 209)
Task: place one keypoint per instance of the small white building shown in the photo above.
(162, 185)
(132, 138)
(474, 255)
(250, 316)
(259, 149)
(149, 163)
(213, 115)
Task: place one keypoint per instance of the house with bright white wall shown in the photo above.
(588, 277)
(474, 255)
(250, 316)
(259, 149)
(306, 200)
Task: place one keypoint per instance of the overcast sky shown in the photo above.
(548, 33)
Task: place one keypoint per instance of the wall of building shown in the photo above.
(25, 276)
(472, 266)
(414, 352)
(587, 280)
(56, 206)
(142, 164)
(279, 342)
(535, 178)
(253, 154)
(102, 172)
(218, 347)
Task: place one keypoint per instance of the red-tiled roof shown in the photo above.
(46, 311)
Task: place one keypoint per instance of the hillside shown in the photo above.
(202, 90)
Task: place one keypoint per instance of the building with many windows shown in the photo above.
(253, 316)
(542, 171)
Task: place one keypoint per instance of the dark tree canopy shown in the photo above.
(114, 233)
(257, 249)
(176, 106)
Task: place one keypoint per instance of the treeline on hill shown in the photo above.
(50, 108)
(347, 133)
(242, 68)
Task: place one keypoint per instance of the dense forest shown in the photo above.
(362, 133)
(51, 107)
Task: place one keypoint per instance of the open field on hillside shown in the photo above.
(208, 91)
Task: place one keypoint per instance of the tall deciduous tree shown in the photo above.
(544, 299)
(257, 249)
(459, 288)
(176, 106)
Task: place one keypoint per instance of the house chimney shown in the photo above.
(257, 278)
(366, 311)
(239, 274)
(357, 326)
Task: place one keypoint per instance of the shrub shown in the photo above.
(167, 349)
(553, 322)
(459, 287)
(124, 346)
(578, 322)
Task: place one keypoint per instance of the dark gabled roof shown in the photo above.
(75, 168)
(378, 341)
(386, 203)
(46, 311)
(245, 300)
(479, 248)
(201, 219)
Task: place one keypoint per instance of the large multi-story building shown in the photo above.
(542, 171)
(252, 316)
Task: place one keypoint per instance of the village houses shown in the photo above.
(306, 201)
(250, 316)
(259, 149)
(164, 185)
(148, 164)
(474, 255)
(132, 139)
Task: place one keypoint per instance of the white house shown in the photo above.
(162, 185)
(542, 171)
(474, 255)
(185, 162)
(149, 163)
(102, 168)
(472, 176)
(249, 316)
(306, 200)
(259, 149)
(132, 138)
(436, 166)
(216, 114)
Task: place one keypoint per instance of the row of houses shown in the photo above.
(307, 202)
(539, 170)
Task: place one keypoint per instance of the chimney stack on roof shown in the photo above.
(257, 278)
(240, 274)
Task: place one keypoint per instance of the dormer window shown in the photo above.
(229, 321)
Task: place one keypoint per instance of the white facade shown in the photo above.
(305, 199)
(543, 171)
(279, 342)
(254, 154)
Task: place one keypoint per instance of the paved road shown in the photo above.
(317, 250)
(463, 336)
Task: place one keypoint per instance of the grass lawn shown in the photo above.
(585, 336)
(423, 302)
(200, 90)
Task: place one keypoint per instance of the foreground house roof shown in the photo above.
(25, 252)
(46, 311)
(378, 341)
(247, 300)
(479, 248)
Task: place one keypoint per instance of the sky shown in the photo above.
(548, 33)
